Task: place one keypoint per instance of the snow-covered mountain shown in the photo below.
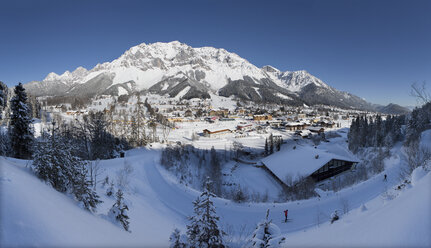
(182, 71)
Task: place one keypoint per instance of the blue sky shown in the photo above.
(374, 49)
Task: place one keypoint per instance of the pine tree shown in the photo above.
(177, 240)
(119, 210)
(51, 163)
(102, 143)
(266, 147)
(203, 230)
(3, 98)
(21, 133)
(82, 189)
(55, 163)
(271, 144)
(266, 235)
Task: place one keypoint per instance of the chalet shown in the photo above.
(301, 116)
(293, 126)
(244, 127)
(262, 117)
(305, 134)
(327, 124)
(240, 111)
(318, 130)
(175, 119)
(306, 161)
(275, 123)
(219, 112)
(208, 133)
(188, 113)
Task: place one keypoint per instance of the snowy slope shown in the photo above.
(35, 214)
(403, 222)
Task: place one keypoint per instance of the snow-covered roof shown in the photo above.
(299, 162)
(295, 123)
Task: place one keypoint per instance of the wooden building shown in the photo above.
(294, 126)
(219, 112)
(318, 130)
(262, 117)
(208, 133)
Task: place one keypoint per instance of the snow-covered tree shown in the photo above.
(118, 211)
(203, 230)
(177, 240)
(52, 163)
(267, 234)
(3, 98)
(4, 144)
(21, 133)
(55, 163)
(271, 144)
(82, 189)
(266, 147)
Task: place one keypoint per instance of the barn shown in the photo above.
(306, 161)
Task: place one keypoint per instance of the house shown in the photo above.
(275, 123)
(175, 119)
(293, 126)
(244, 127)
(208, 133)
(219, 112)
(262, 117)
(327, 124)
(306, 161)
(318, 130)
(305, 134)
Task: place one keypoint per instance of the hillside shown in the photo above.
(35, 214)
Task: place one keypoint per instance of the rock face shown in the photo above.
(183, 72)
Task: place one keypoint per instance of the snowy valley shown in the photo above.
(174, 146)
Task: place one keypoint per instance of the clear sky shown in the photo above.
(374, 49)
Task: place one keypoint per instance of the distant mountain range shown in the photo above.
(184, 72)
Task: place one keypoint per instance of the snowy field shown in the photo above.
(373, 212)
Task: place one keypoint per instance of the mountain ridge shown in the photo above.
(170, 68)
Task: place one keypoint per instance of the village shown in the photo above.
(225, 124)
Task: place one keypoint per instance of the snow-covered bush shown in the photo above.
(118, 211)
(110, 190)
(334, 216)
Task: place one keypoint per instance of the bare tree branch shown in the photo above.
(419, 92)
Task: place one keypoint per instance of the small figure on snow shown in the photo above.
(285, 215)
(334, 217)
(385, 178)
